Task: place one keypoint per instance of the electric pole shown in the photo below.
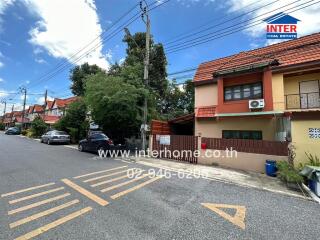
(145, 18)
(24, 91)
(4, 109)
(12, 113)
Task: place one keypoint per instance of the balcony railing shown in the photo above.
(303, 100)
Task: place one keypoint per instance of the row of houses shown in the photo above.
(50, 112)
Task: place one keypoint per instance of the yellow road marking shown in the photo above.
(237, 219)
(104, 176)
(38, 204)
(54, 224)
(35, 195)
(93, 173)
(112, 180)
(42, 214)
(85, 192)
(117, 195)
(27, 189)
(124, 183)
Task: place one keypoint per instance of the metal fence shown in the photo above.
(248, 146)
(184, 145)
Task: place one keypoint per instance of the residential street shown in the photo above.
(70, 205)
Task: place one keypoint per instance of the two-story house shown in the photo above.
(270, 93)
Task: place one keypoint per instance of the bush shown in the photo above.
(2, 126)
(24, 132)
(287, 173)
(38, 127)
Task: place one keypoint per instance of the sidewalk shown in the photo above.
(241, 178)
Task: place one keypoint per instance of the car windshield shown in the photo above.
(59, 133)
(99, 136)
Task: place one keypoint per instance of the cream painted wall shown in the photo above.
(213, 128)
(278, 92)
(301, 140)
(206, 95)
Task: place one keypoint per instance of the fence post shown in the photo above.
(150, 142)
(199, 143)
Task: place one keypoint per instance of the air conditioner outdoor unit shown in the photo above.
(256, 104)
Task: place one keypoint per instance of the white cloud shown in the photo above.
(66, 27)
(1, 64)
(3, 93)
(40, 60)
(4, 4)
(1, 80)
(309, 16)
(40, 100)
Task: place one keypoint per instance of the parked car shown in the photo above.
(13, 131)
(95, 142)
(55, 136)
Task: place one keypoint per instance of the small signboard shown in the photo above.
(165, 139)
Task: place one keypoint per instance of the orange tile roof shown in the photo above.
(61, 103)
(206, 112)
(50, 119)
(38, 108)
(298, 51)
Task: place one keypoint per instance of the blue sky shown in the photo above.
(36, 35)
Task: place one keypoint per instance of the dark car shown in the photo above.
(95, 142)
(13, 131)
(55, 136)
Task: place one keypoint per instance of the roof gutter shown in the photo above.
(245, 69)
(249, 114)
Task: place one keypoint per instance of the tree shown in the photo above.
(115, 105)
(78, 75)
(38, 126)
(74, 122)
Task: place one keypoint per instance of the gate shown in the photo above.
(177, 147)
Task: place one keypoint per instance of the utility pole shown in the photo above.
(146, 20)
(45, 97)
(12, 113)
(24, 91)
(4, 109)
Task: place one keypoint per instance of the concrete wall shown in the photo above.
(243, 161)
(301, 140)
(291, 84)
(206, 95)
(213, 128)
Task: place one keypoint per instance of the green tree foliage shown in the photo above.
(115, 105)
(78, 76)
(38, 126)
(2, 126)
(74, 121)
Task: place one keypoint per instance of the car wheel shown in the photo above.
(80, 148)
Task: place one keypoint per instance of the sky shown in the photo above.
(40, 39)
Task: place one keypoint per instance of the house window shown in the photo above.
(314, 133)
(246, 91)
(240, 134)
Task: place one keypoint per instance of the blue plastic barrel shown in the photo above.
(271, 168)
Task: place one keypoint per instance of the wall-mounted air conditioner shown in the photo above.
(256, 104)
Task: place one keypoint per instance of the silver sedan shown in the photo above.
(55, 137)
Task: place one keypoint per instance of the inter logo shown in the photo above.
(281, 26)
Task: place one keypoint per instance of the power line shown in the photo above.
(226, 33)
(105, 39)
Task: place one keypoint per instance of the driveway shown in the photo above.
(56, 192)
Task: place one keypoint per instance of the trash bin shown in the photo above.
(271, 168)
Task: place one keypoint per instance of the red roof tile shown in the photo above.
(298, 51)
(38, 108)
(61, 103)
(50, 119)
(206, 112)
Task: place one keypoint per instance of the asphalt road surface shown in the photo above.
(55, 192)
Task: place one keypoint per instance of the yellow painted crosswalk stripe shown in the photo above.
(93, 173)
(54, 224)
(114, 179)
(35, 195)
(104, 176)
(109, 181)
(42, 214)
(38, 204)
(85, 192)
(124, 183)
(120, 194)
(27, 189)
